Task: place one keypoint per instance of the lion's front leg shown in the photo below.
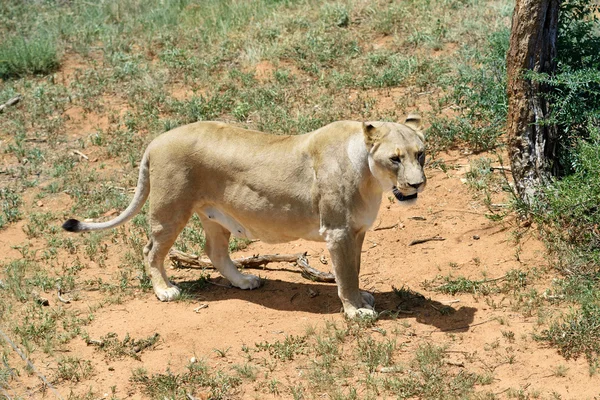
(344, 248)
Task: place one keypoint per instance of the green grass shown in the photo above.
(198, 377)
(577, 333)
(478, 94)
(19, 56)
(10, 202)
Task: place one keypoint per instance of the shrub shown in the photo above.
(19, 57)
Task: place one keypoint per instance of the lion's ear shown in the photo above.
(413, 121)
(370, 132)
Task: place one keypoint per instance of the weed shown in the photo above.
(246, 371)
(222, 352)
(374, 354)
(20, 56)
(560, 370)
(197, 376)
(10, 202)
(576, 333)
(463, 285)
(73, 369)
(286, 350)
(114, 348)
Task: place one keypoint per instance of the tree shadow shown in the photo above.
(322, 298)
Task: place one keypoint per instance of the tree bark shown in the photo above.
(532, 47)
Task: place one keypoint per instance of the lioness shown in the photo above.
(324, 186)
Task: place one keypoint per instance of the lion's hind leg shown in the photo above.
(217, 249)
(165, 223)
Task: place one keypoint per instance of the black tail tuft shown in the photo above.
(72, 225)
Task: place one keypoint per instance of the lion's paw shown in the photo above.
(169, 293)
(358, 313)
(247, 282)
(368, 298)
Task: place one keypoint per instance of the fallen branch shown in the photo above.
(419, 241)
(179, 258)
(10, 102)
(313, 274)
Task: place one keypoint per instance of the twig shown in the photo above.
(180, 258)
(200, 307)
(450, 301)
(419, 241)
(33, 368)
(10, 102)
(80, 154)
(60, 298)
(220, 284)
(458, 210)
(381, 228)
(99, 343)
(461, 327)
(456, 363)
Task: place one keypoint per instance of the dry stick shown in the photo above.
(381, 228)
(419, 241)
(461, 327)
(60, 298)
(192, 260)
(33, 368)
(77, 152)
(458, 210)
(10, 102)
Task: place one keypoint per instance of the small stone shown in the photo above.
(193, 360)
(476, 237)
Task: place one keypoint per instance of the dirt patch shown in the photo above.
(264, 71)
(481, 334)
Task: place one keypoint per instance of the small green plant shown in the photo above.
(197, 377)
(10, 203)
(286, 350)
(246, 371)
(19, 56)
(577, 333)
(73, 369)
(222, 352)
(374, 354)
(114, 348)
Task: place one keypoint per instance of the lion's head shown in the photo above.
(397, 156)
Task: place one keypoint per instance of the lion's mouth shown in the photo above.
(400, 197)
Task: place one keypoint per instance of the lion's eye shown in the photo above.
(395, 159)
(421, 157)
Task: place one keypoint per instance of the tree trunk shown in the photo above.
(532, 47)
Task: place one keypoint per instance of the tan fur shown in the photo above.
(324, 186)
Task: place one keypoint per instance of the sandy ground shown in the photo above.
(287, 303)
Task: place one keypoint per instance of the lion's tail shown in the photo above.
(139, 198)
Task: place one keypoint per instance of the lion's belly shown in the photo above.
(265, 227)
